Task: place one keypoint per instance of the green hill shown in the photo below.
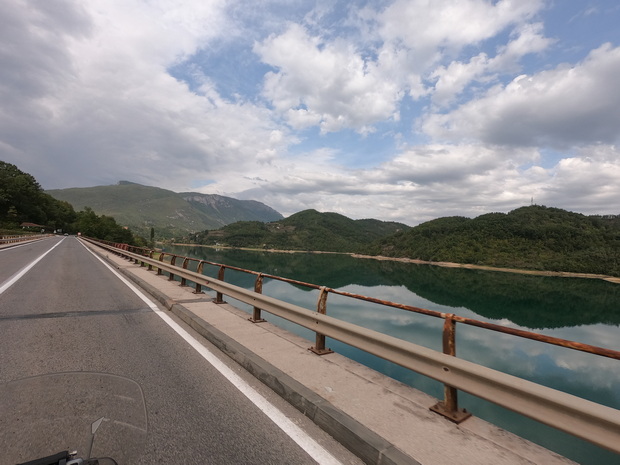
(306, 230)
(169, 213)
(535, 237)
(24, 208)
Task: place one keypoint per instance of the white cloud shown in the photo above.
(104, 107)
(527, 38)
(332, 83)
(457, 76)
(328, 83)
(586, 181)
(413, 187)
(454, 78)
(567, 105)
(88, 97)
(430, 29)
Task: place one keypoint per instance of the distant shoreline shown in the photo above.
(561, 274)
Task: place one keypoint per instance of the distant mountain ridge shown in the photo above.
(171, 214)
(228, 210)
(305, 230)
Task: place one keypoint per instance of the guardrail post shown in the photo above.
(199, 271)
(173, 263)
(258, 288)
(161, 259)
(219, 297)
(150, 268)
(133, 250)
(449, 406)
(321, 307)
(142, 253)
(183, 280)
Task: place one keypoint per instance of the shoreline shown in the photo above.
(560, 274)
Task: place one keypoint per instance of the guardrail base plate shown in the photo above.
(320, 351)
(457, 416)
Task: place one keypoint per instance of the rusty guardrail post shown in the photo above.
(150, 268)
(173, 263)
(258, 288)
(161, 259)
(449, 406)
(321, 307)
(135, 250)
(142, 253)
(219, 297)
(183, 280)
(199, 271)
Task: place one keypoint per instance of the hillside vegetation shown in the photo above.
(169, 213)
(306, 230)
(22, 200)
(535, 237)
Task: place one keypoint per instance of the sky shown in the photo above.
(401, 110)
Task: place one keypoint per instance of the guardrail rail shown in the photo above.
(582, 418)
(11, 239)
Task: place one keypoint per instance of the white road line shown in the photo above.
(312, 448)
(25, 270)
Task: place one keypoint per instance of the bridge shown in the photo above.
(72, 305)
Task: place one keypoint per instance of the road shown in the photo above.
(69, 312)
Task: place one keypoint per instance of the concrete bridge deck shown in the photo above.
(382, 420)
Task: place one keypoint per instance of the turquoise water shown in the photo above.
(582, 310)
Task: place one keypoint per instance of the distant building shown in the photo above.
(32, 225)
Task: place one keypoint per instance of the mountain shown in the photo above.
(306, 230)
(169, 213)
(534, 237)
(226, 210)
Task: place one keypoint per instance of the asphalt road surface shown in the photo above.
(68, 312)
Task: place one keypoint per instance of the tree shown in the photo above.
(22, 200)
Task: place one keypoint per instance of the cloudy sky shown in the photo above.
(403, 110)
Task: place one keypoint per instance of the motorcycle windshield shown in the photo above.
(95, 414)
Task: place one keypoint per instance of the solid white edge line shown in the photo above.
(309, 445)
(13, 279)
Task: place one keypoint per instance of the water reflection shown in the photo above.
(534, 302)
(577, 309)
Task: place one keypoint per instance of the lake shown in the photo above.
(582, 310)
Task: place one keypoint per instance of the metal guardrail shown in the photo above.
(582, 418)
(20, 238)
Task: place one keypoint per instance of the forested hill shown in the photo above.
(534, 237)
(169, 213)
(306, 230)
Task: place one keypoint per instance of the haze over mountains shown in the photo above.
(171, 214)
